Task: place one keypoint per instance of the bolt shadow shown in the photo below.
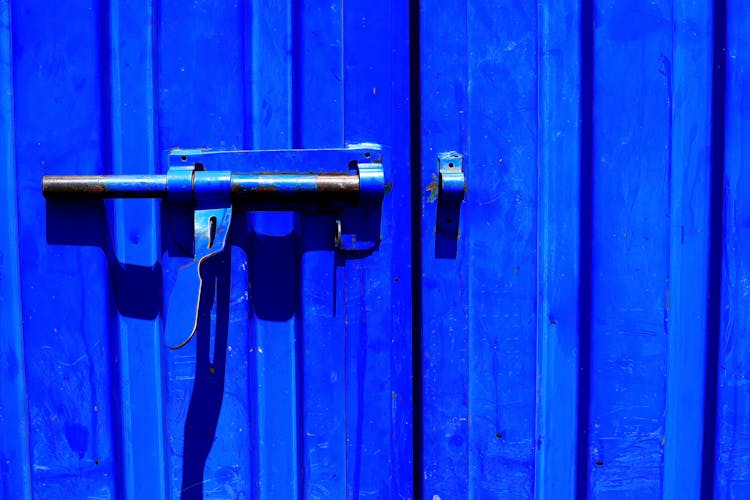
(274, 264)
(137, 290)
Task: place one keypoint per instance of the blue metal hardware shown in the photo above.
(452, 178)
(358, 183)
(371, 181)
(451, 191)
(347, 181)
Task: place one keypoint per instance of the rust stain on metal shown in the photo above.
(432, 188)
(59, 186)
(337, 183)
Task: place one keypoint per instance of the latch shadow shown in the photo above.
(274, 290)
(210, 371)
(447, 229)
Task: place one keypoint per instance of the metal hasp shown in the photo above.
(348, 181)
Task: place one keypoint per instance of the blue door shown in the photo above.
(297, 382)
(590, 337)
(392, 249)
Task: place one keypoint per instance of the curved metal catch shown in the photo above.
(211, 230)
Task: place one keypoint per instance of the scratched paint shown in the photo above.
(286, 390)
(583, 335)
(479, 350)
(569, 343)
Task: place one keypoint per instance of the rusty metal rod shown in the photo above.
(243, 187)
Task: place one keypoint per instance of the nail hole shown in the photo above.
(183, 158)
(211, 231)
(367, 155)
(450, 165)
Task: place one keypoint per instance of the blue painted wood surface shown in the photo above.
(15, 469)
(630, 186)
(689, 258)
(732, 462)
(559, 247)
(585, 335)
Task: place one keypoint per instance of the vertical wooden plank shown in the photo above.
(501, 219)
(630, 241)
(732, 465)
(377, 339)
(318, 75)
(479, 96)
(270, 55)
(319, 122)
(136, 241)
(559, 249)
(15, 472)
(690, 193)
(274, 254)
(444, 330)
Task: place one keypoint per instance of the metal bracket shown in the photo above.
(452, 178)
(350, 182)
(451, 194)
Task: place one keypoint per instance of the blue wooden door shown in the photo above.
(590, 338)
(573, 324)
(298, 381)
